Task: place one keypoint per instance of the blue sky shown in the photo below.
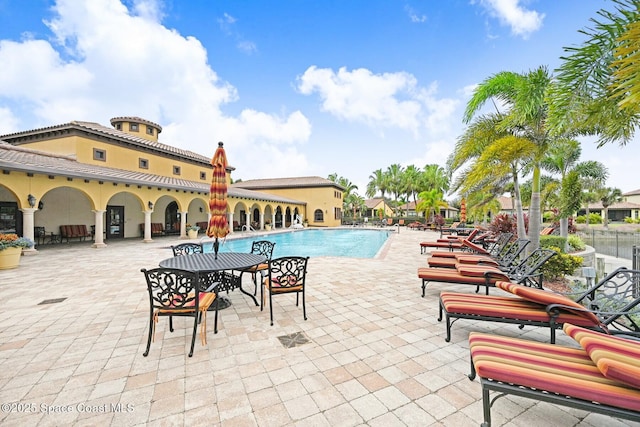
(293, 88)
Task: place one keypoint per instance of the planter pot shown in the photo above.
(267, 227)
(193, 234)
(10, 258)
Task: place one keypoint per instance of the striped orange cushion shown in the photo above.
(617, 358)
(450, 275)
(475, 248)
(546, 298)
(500, 307)
(480, 270)
(537, 365)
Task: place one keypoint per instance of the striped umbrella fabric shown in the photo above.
(218, 225)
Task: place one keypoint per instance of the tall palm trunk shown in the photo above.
(534, 211)
(522, 231)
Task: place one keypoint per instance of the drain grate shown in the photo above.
(52, 301)
(293, 340)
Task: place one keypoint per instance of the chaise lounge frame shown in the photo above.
(525, 384)
(608, 306)
(527, 273)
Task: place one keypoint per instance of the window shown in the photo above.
(203, 176)
(318, 215)
(143, 163)
(133, 127)
(149, 130)
(99, 155)
(176, 170)
(119, 126)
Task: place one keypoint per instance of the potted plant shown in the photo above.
(192, 231)
(11, 248)
(267, 225)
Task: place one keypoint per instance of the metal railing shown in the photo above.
(619, 244)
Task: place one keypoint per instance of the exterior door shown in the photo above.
(115, 222)
(10, 218)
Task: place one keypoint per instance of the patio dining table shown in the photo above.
(217, 269)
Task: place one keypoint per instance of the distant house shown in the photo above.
(373, 205)
(629, 207)
(617, 211)
(409, 209)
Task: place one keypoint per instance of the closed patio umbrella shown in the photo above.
(218, 225)
(463, 211)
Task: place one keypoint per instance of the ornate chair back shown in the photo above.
(187, 249)
(287, 275)
(174, 292)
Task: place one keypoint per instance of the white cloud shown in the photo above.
(522, 21)
(94, 72)
(414, 16)
(388, 100)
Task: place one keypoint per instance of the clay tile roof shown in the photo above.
(299, 182)
(17, 158)
(99, 129)
(135, 119)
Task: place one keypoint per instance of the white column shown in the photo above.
(98, 241)
(183, 225)
(273, 219)
(27, 229)
(147, 226)
(229, 220)
(261, 220)
(247, 219)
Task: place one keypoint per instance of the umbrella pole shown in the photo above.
(216, 246)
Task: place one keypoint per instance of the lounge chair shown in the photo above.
(527, 273)
(608, 306)
(547, 231)
(602, 376)
(450, 244)
(504, 261)
(450, 229)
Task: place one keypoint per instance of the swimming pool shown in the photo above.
(315, 242)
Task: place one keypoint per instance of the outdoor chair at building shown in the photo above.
(186, 249)
(286, 275)
(260, 247)
(177, 293)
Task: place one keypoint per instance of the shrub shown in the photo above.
(548, 216)
(560, 265)
(595, 218)
(575, 242)
(503, 223)
(552, 242)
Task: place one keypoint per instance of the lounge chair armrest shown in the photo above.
(607, 318)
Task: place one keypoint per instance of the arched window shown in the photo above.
(318, 215)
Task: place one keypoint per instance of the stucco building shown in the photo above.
(122, 182)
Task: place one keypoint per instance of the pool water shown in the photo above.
(315, 242)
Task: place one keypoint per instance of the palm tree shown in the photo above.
(524, 96)
(593, 175)
(429, 202)
(349, 193)
(378, 181)
(562, 158)
(598, 91)
(412, 184)
(435, 177)
(496, 157)
(609, 196)
(396, 184)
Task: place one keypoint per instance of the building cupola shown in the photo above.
(137, 127)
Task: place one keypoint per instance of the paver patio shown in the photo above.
(375, 354)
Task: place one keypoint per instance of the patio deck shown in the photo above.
(375, 355)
